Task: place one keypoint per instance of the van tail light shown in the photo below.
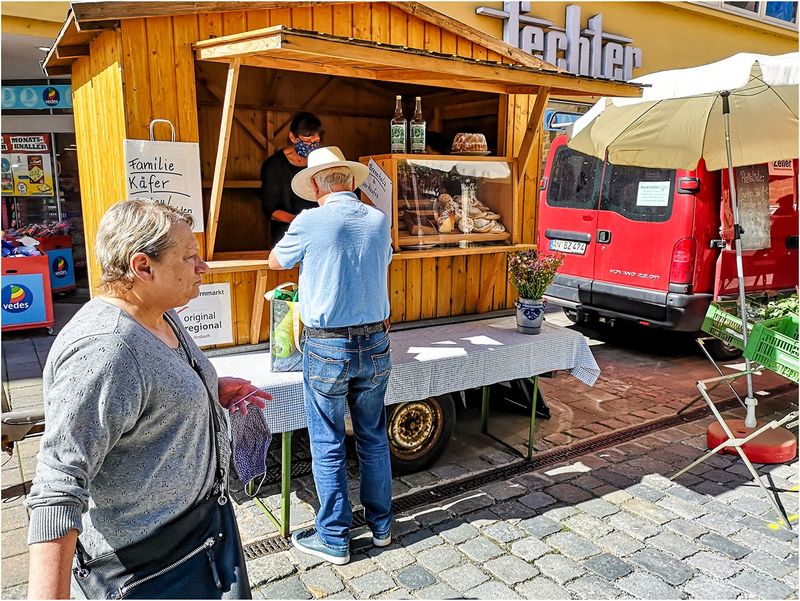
(689, 185)
(684, 254)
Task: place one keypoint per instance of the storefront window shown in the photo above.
(783, 11)
(783, 14)
(751, 6)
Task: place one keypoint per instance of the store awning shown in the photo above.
(281, 47)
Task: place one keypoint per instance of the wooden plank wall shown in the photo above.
(99, 129)
(159, 82)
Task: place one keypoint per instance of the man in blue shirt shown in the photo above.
(344, 249)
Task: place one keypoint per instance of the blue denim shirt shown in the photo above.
(344, 248)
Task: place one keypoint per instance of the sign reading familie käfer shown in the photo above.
(207, 318)
(167, 173)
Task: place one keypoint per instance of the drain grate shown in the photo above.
(433, 494)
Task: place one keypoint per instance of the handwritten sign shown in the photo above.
(207, 318)
(752, 192)
(167, 173)
(378, 188)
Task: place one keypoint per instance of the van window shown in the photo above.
(638, 193)
(574, 180)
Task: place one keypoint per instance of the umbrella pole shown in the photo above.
(750, 401)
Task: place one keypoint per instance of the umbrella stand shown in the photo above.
(750, 401)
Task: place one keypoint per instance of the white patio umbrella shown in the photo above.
(735, 112)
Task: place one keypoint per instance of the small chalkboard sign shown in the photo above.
(166, 172)
(752, 192)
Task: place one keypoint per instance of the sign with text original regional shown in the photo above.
(207, 318)
(167, 173)
(26, 165)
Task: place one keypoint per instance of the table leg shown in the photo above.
(532, 426)
(485, 409)
(286, 482)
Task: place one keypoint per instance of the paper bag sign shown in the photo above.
(167, 173)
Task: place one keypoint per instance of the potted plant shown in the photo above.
(531, 274)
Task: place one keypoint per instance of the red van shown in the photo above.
(654, 245)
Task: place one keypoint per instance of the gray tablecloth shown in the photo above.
(431, 361)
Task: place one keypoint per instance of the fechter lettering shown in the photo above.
(588, 51)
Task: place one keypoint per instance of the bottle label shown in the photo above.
(398, 138)
(417, 137)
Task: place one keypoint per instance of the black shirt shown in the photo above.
(276, 192)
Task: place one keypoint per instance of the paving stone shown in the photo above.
(458, 534)
(15, 570)
(644, 585)
(358, 566)
(480, 549)
(503, 532)
(679, 507)
(288, 588)
(502, 491)
(619, 543)
(761, 586)
(447, 471)
(304, 561)
(540, 526)
(437, 591)
(616, 497)
(674, 544)
(419, 479)
(558, 513)
(491, 590)
(395, 593)
(511, 570)
(19, 591)
(439, 558)
(431, 516)
(269, 568)
(542, 588)
(769, 529)
(587, 525)
(481, 519)
(469, 502)
(686, 528)
(15, 542)
(726, 510)
(391, 558)
(573, 546)
(649, 510)
(321, 582)
(415, 577)
(559, 568)
(404, 525)
(512, 512)
(13, 517)
(464, 577)
(759, 542)
(418, 541)
(608, 566)
(718, 523)
(598, 507)
(703, 587)
(568, 493)
(633, 525)
(537, 500)
(766, 564)
(723, 544)
(593, 587)
(687, 494)
(372, 583)
(645, 492)
(714, 564)
(669, 569)
(530, 548)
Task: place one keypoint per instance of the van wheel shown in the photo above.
(419, 432)
(572, 314)
(721, 351)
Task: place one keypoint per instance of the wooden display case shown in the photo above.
(425, 188)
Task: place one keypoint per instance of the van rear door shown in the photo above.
(642, 226)
(568, 219)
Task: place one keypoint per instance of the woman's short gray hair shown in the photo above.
(130, 227)
(335, 177)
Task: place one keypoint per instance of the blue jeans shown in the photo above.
(353, 371)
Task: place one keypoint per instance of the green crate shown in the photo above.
(722, 321)
(773, 344)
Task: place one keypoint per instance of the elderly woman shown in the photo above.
(129, 459)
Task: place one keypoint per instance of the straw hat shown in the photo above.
(320, 159)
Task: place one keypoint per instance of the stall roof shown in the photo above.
(282, 47)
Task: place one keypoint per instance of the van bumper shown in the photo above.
(683, 312)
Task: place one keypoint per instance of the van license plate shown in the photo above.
(568, 246)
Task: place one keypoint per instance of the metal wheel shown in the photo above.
(419, 431)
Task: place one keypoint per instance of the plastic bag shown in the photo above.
(285, 328)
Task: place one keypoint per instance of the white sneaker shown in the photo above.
(382, 542)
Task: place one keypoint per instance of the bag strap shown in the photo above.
(219, 475)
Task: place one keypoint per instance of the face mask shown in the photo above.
(251, 437)
(303, 149)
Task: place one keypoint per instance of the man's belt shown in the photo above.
(347, 332)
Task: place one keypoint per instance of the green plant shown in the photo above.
(531, 274)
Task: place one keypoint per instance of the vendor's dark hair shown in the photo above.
(305, 124)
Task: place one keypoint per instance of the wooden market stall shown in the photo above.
(230, 75)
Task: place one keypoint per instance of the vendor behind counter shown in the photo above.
(278, 202)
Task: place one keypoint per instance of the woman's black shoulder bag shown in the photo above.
(196, 556)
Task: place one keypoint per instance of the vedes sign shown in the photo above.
(60, 268)
(16, 298)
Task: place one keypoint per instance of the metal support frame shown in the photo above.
(531, 427)
(706, 386)
(283, 523)
(701, 343)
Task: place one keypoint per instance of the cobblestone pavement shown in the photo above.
(607, 525)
